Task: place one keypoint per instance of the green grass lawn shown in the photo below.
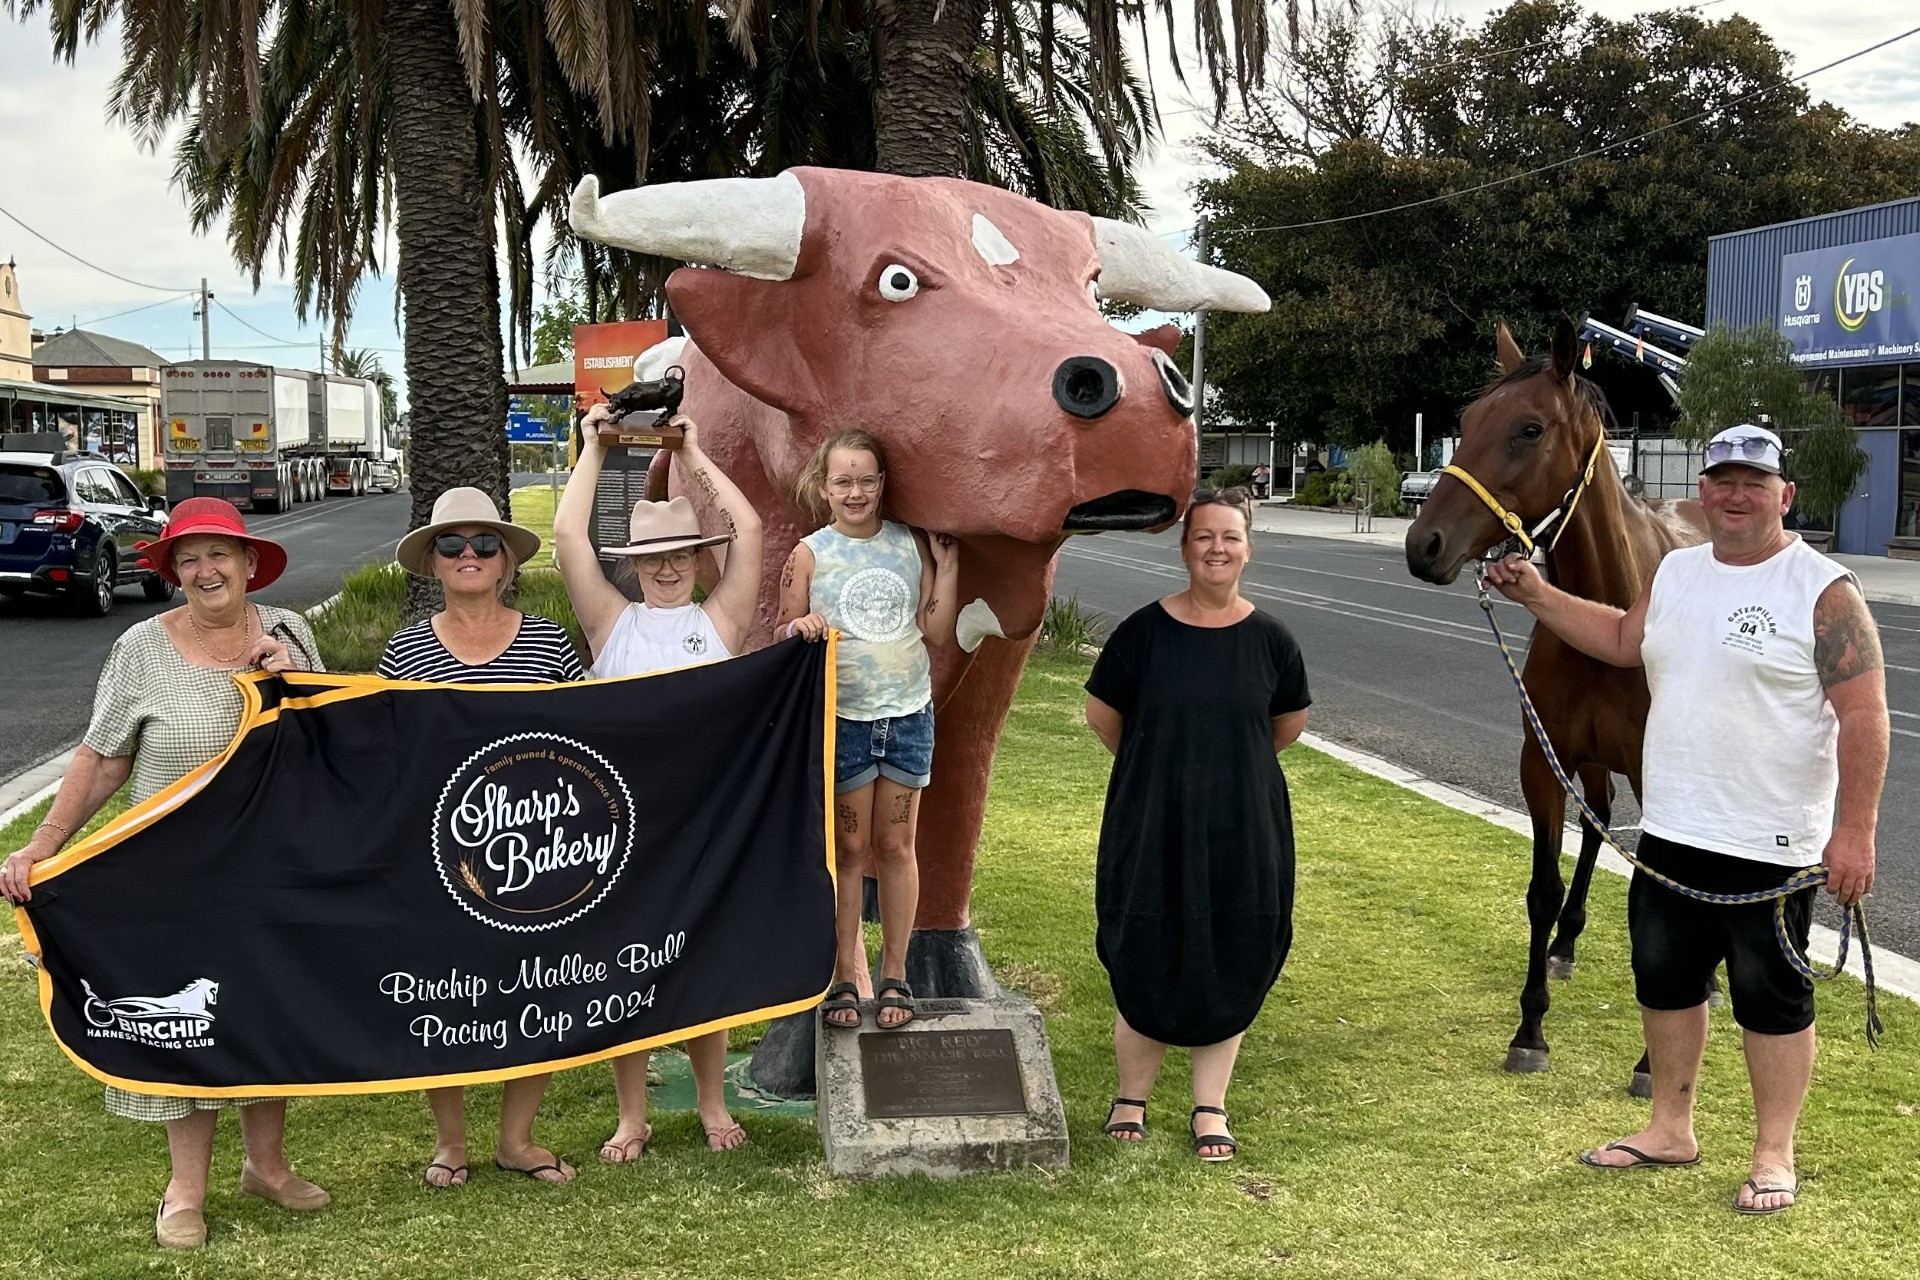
(1380, 1138)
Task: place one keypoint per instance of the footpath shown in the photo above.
(1885, 580)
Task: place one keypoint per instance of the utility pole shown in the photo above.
(1200, 342)
(1419, 457)
(206, 302)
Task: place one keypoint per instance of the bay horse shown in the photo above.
(1533, 442)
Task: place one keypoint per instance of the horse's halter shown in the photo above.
(1555, 520)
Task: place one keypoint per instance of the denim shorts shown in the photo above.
(897, 748)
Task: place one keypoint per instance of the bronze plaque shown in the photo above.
(941, 1073)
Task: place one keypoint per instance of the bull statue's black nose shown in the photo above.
(1086, 386)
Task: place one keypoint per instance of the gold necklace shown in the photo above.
(246, 638)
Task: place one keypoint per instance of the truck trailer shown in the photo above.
(264, 437)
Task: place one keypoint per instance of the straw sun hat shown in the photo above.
(458, 508)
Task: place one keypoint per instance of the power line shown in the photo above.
(81, 324)
(1573, 159)
(158, 288)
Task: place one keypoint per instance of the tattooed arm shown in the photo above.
(737, 596)
(796, 590)
(596, 602)
(1846, 651)
(939, 585)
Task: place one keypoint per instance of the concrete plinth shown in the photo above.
(985, 1064)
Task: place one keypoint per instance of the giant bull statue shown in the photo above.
(961, 325)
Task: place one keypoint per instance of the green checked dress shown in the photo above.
(172, 717)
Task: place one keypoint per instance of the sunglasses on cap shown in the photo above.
(1743, 449)
(485, 545)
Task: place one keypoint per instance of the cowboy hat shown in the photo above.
(659, 527)
(219, 518)
(458, 508)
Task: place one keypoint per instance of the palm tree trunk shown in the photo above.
(921, 102)
(449, 284)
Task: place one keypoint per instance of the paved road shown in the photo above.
(1408, 671)
(52, 658)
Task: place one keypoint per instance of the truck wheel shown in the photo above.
(97, 602)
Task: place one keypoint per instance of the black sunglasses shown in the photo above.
(485, 545)
(1233, 497)
(1751, 449)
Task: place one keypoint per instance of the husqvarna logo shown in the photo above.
(1857, 295)
(1802, 293)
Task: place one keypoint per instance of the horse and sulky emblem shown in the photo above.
(179, 1021)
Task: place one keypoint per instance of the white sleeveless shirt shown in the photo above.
(1742, 745)
(645, 640)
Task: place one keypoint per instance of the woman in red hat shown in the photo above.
(166, 704)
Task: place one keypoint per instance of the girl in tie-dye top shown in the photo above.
(890, 591)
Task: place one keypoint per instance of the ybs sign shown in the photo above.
(1852, 304)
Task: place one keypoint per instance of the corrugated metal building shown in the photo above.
(1845, 288)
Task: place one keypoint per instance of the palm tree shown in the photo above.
(362, 363)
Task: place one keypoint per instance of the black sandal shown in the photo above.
(1201, 1141)
(902, 1001)
(1137, 1127)
(841, 995)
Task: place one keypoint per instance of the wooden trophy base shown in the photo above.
(657, 435)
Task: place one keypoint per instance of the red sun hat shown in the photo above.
(220, 518)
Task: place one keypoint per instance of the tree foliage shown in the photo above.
(1378, 317)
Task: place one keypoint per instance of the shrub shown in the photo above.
(1068, 627)
(1373, 464)
(151, 482)
(1230, 476)
(1317, 490)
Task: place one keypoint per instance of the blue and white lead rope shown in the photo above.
(1851, 918)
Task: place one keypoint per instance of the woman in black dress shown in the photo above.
(1195, 695)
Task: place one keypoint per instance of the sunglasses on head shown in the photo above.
(1747, 449)
(1234, 497)
(485, 545)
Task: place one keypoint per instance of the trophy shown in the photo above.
(641, 413)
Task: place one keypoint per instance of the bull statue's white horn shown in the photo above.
(1139, 267)
(749, 226)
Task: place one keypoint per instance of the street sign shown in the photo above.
(524, 428)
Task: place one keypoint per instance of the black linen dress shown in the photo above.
(1194, 889)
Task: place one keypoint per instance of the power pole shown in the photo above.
(206, 302)
(1200, 342)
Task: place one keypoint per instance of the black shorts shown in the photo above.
(1678, 941)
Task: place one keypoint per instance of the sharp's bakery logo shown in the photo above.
(1802, 292)
(1748, 628)
(532, 831)
(183, 1020)
(694, 643)
(1857, 295)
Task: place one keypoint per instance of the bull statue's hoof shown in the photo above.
(1641, 1086)
(1560, 967)
(949, 963)
(783, 1060)
(1526, 1062)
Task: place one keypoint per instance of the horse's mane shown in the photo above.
(1589, 392)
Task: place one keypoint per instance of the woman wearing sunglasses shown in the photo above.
(664, 630)
(478, 640)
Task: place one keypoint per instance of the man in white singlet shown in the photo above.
(1765, 751)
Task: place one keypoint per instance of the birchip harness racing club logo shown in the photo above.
(532, 831)
(183, 1020)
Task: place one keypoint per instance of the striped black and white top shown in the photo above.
(542, 653)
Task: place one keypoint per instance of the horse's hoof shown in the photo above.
(1641, 1086)
(1560, 967)
(1526, 1062)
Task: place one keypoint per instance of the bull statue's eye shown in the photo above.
(898, 283)
(1093, 293)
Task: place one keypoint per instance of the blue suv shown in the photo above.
(70, 524)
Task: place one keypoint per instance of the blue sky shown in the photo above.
(86, 184)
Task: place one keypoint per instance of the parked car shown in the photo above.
(1416, 485)
(70, 524)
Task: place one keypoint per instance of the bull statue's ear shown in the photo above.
(1566, 349)
(1506, 352)
(748, 329)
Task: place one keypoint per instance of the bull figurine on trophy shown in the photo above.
(658, 399)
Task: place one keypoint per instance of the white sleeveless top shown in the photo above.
(868, 589)
(645, 640)
(1742, 745)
